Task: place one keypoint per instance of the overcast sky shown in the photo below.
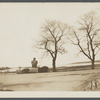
(20, 26)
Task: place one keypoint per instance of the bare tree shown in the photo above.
(87, 36)
(52, 40)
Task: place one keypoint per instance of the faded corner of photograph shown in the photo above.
(49, 47)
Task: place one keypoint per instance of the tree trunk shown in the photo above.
(54, 65)
(93, 64)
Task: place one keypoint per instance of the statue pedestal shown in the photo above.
(33, 70)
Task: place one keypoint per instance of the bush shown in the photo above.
(43, 69)
(25, 70)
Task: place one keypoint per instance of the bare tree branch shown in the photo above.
(89, 29)
(97, 51)
(52, 39)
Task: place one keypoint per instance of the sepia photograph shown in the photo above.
(52, 47)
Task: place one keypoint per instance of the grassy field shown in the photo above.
(54, 81)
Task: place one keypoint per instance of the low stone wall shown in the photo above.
(76, 68)
(31, 70)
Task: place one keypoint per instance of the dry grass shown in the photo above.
(55, 81)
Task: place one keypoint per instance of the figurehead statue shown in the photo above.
(34, 63)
